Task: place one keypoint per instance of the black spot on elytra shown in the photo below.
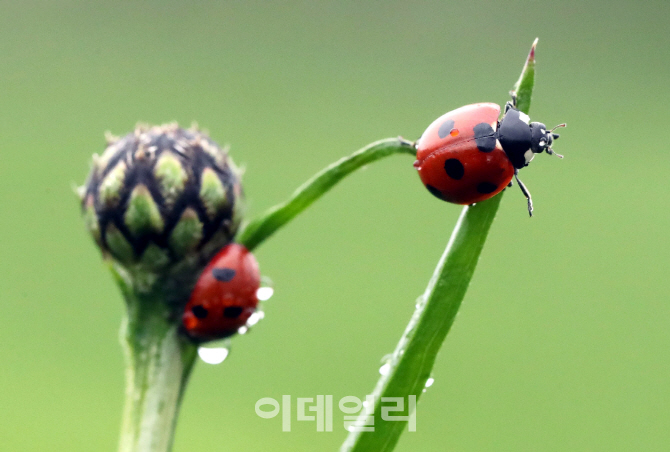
(434, 191)
(485, 137)
(454, 168)
(199, 311)
(223, 274)
(232, 312)
(445, 128)
(486, 188)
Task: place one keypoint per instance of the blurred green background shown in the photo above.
(563, 339)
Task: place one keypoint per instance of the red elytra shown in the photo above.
(224, 297)
(451, 164)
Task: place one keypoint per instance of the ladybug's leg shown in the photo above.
(525, 191)
(406, 142)
(508, 105)
(511, 104)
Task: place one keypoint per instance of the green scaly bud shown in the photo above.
(162, 199)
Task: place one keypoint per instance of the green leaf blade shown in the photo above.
(524, 86)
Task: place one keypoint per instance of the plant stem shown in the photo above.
(412, 361)
(158, 363)
(260, 229)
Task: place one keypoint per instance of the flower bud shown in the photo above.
(160, 196)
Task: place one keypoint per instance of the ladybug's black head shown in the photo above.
(542, 139)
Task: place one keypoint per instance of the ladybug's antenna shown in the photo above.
(555, 136)
(550, 151)
(559, 126)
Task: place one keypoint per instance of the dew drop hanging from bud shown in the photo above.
(215, 352)
(264, 293)
(256, 317)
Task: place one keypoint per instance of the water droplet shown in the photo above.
(385, 369)
(429, 382)
(254, 318)
(386, 358)
(213, 355)
(264, 293)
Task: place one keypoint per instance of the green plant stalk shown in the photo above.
(254, 233)
(158, 363)
(411, 363)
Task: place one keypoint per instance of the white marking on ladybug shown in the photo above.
(180, 149)
(524, 117)
(528, 156)
(542, 142)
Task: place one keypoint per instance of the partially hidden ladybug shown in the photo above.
(224, 297)
(469, 155)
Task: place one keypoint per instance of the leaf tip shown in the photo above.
(531, 54)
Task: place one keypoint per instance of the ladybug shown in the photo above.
(468, 155)
(224, 296)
